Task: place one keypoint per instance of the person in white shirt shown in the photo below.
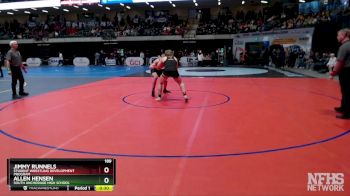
(142, 55)
(60, 58)
(200, 58)
(331, 63)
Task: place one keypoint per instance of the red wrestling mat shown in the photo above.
(236, 136)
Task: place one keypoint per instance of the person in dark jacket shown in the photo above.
(342, 68)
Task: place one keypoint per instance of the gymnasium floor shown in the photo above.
(249, 132)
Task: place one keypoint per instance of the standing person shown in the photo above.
(265, 57)
(170, 64)
(1, 64)
(103, 58)
(13, 62)
(122, 56)
(97, 58)
(331, 63)
(342, 68)
(300, 59)
(60, 58)
(142, 56)
(200, 58)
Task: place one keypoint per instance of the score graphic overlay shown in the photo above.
(61, 174)
(134, 1)
(79, 2)
(26, 4)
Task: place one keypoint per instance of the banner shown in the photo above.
(110, 62)
(81, 61)
(134, 61)
(284, 41)
(33, 62)
(301, 37)
(161, 20)
(188, 61)
(53, 61)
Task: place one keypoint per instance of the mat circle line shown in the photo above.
(227, 99)
(301, 146)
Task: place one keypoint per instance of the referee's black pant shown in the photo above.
(1, 73)
(16, 74)
(344, 80)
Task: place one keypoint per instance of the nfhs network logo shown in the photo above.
(325, 182)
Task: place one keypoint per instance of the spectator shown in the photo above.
(331, 63)
(97, 58)
(200, 58)
(142, 55)
(60, 59)
(300, 59)
(103, 58)
(165, 24)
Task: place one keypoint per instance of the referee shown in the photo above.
(342, 68)
(13, 61)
